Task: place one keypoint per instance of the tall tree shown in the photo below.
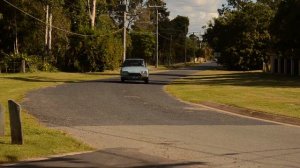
(242, 36)
(285, 28)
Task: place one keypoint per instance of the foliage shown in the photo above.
(173, 38)
(143, 44)
(242, 36)
(76, 45)
(241, 33)
(285, 28)
(12, 63)
(96, 52)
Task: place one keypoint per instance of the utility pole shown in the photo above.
(170, 55)
(46, 35)
(16, 47)
(124, 38)
(50, 31)
(124, 31)
(194, 53)
(156, 7)
(185, 44)
(46, 29)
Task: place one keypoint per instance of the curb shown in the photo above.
(43, 158)
(243, 112)
(280, 119)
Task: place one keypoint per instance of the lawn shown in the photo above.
(252, 90)
(39, 141)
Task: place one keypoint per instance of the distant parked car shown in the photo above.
(134, 69)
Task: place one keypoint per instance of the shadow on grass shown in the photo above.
(249, 79)
(11, 158)
(40, 79)
(103, 74)
(170, 165)
(46, 79)
(255, 79)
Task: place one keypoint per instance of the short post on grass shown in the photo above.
(2, 120)
(15, 122)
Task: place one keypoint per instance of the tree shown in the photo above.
(238, 4)
(99, 50)
(13, 23)
(142, 45)
(285, 28)
(242, 36)
(273, 4)
(179, 31)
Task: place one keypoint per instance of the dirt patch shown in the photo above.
(253, 113)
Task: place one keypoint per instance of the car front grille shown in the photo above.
(135, 74)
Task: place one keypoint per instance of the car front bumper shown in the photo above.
(134, 76)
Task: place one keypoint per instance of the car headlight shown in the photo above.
(144, 73)
(124, 73)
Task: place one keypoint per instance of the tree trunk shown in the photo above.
(46, 30)
(16, 47)
(92, 12)
(50, 30)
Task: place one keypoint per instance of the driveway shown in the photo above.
(139, 125)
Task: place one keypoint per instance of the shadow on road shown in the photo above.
(121, 158)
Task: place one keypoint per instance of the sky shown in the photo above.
(198, 11)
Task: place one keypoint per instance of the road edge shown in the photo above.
(44, 158)
(286, 120)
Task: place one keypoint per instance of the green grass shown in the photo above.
(39, 141)
(253, 90)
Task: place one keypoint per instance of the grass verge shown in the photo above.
(39, 141)
(252, 90)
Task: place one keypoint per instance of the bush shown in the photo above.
(34, 63)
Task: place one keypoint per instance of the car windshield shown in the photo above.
(133, 63)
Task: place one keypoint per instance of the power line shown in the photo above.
(66, 31)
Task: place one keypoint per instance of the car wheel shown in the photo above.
(146, 81)
(122, 80)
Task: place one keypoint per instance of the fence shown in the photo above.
(12, 67)
(288, 66)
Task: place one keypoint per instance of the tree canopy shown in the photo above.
(86, 35)
(285, 28)
(246, 31)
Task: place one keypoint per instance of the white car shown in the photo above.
(134, 69)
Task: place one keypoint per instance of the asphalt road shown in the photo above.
(139, 125)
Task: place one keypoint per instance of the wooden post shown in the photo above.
(23, 67)
(15, 122)
(2, 121)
